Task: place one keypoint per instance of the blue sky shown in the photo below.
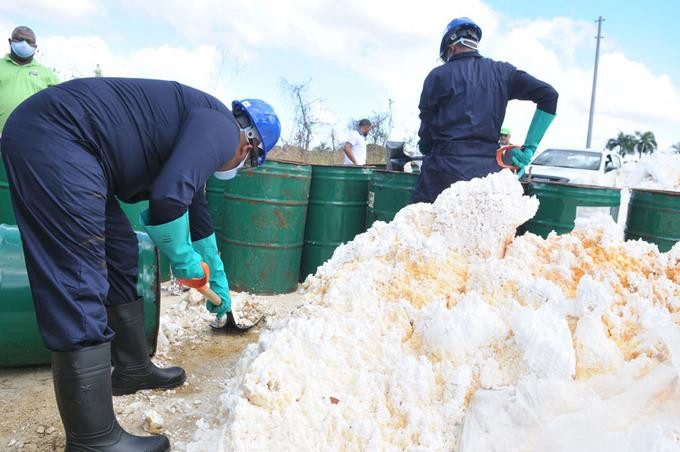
(359, 54)
(647, 31)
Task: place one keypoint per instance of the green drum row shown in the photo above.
(281, 221)
(653, 215)
(20, 340)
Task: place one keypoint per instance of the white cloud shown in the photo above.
(51, 9)
(394, 44)
(203, 67)
(629, 96)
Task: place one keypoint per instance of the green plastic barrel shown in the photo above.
(338, 199)
(6, 211)
(654, 216)
(214, 195)
(388, 193)
(562, 203)
(20, 340)
(263, 227)
(132, 212)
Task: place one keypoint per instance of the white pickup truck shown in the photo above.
(582, 166)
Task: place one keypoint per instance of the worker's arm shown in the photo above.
(348, 152)
(206, 141)
(526, 87)
(434, 91)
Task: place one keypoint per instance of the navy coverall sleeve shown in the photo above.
(527, 87)
(434, 89)
(201, 223)
(207, 140)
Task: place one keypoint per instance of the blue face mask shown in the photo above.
(22, 49)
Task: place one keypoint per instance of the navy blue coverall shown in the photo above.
(462, 107)
(70, 150)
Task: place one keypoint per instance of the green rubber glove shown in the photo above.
(539, 125)
(174, 240)
(207, 248)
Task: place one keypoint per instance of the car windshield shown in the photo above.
(567, 158)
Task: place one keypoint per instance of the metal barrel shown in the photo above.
(6, 210)
(338, 198)
(20, 340)
(561, 203)
(132, 212)
(263, 227)
(654, 216)
(214, 195)
(388, 193)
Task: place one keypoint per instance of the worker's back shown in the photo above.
(130, 124)
(465, 99)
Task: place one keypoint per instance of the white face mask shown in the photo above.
(228, 174)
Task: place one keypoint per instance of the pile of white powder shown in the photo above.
(657, 171)
(443, 331)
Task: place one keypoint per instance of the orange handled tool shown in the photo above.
(201, 284)
(500, 156)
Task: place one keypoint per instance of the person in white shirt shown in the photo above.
(355, 146)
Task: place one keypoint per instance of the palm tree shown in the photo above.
(646, 142)
(624, 142)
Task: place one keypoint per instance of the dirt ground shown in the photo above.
(30, 420)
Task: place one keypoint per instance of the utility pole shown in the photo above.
(592, 95)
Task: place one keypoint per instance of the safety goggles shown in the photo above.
(257, 153)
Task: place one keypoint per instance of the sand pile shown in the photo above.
(442, 331)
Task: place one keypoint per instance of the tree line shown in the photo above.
(309, 126)
(639, 142)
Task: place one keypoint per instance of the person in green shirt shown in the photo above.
(20, 75)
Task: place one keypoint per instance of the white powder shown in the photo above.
(659, 171)
(442, 318)
(153, 422)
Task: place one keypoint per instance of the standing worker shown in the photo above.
(70, 150)
(355, 146)
(462, 107)
(20, 75)
(504, 138)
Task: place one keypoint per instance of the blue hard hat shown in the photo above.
(453, 31)
(264, 119)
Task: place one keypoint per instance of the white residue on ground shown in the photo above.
(443, 331)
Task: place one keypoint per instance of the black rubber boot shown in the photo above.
(132, 367)
(82, 385)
